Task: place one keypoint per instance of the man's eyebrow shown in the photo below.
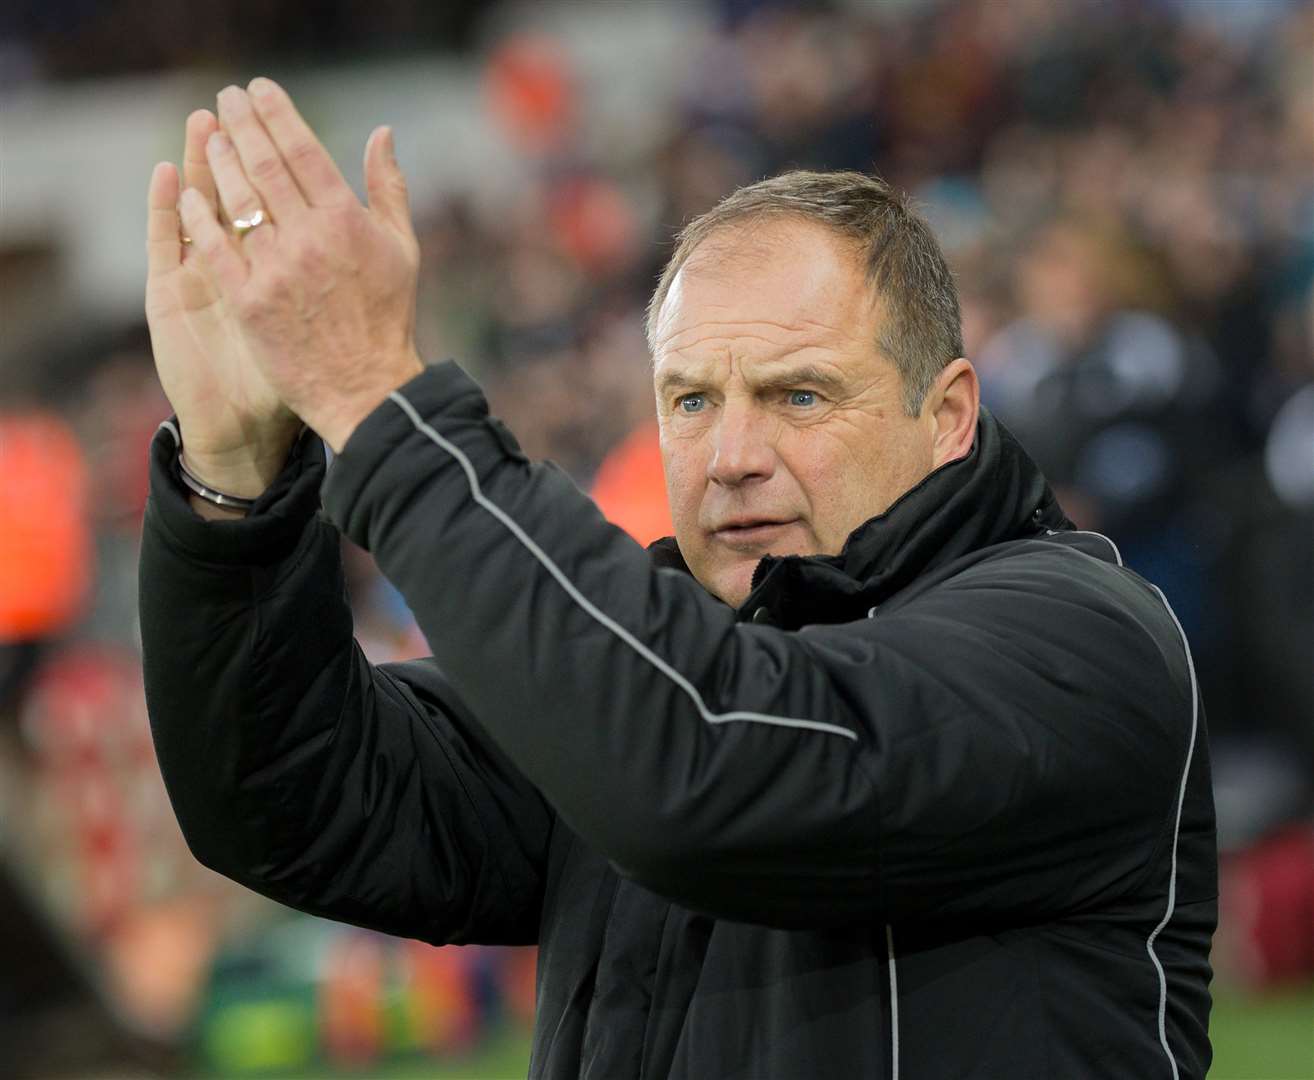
(800, 375)
(672, 378)
(783, 379)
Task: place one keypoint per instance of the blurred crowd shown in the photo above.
(77, 39)
(1126, 193)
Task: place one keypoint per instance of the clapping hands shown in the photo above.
(292, 299)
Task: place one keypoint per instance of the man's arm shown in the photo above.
(358, 793)
(917, 763)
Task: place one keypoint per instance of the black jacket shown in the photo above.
(938, 806)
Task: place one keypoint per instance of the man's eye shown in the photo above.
(692, 403)
(802, 399)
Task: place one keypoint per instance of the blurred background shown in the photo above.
(1125, 190)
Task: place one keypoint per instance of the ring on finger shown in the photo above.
(243, 225)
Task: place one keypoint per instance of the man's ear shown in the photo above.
(952, 406)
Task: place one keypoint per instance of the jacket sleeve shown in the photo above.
(970, 753)
(364, 794)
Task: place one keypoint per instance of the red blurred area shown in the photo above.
(530, 89)
(45, 538)
(1267, 911)
(630, 487)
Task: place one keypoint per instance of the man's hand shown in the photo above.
(236, 430)
(323, 293)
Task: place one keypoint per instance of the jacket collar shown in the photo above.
(995, 493)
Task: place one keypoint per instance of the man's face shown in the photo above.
(782, 428)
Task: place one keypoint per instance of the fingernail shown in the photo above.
(229, 94)
(260, 86)
(390, 144)
(217, 143)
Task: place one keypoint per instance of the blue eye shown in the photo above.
(803, 399)
(692, 403)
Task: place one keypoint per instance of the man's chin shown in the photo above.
(726, 571)
(733, 583)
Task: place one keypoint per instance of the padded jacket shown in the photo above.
(936, 806)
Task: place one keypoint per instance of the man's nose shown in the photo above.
(743, 447)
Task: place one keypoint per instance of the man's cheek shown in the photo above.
(682, 493)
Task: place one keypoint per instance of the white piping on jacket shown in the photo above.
(1116, 553)
(177, 436)
(1086, 532)
(599, 616)
(1177, 825)
(894, 1004)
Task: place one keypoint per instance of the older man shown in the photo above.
(880, 768)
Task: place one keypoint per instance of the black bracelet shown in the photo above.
(218, 498)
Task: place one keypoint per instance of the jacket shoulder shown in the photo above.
(1062, 609)
(1070, 567)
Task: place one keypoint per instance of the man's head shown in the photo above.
(807, 364)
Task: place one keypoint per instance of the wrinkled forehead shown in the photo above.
(774, 286)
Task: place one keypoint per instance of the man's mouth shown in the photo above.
(751, 532)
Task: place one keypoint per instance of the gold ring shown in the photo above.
(243, 225)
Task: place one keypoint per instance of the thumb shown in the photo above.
(385, 184)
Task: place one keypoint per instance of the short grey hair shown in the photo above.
(921, 330)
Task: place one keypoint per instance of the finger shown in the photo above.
(217, 247)
(196, 170)
(163, 241)
(307, 160)
(259, 157)
(236, 195)
(385, 183)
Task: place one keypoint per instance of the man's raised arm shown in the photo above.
(294, 766)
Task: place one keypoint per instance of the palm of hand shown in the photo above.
(229, 413)
(203, 364)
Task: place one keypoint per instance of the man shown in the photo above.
(879, 769)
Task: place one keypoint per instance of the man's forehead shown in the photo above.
(785, 279)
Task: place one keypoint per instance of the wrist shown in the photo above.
(245, 473)
(208, 510)
(336, 421)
